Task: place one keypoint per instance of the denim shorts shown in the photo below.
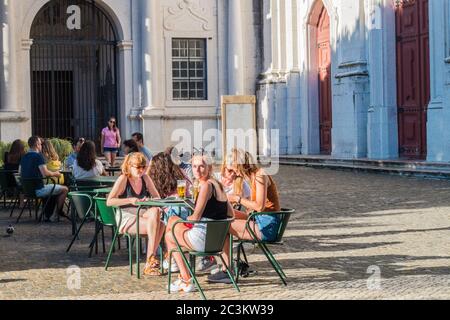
(268, 225)
(181, 212)
(112, 150)
(47, 189)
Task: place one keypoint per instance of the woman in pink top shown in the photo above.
(110, 141)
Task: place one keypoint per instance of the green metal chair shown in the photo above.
(83, 204)
(107, 218)
(284, 216)
(8, 186)
(216, 233)
(29, 187)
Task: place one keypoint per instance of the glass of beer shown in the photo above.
(181, 188)
(195, 190)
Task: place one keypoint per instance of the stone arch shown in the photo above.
(38, 4)
(310, 88)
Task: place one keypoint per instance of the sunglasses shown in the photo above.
(139, 167)
(112, 122)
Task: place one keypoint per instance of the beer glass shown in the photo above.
(181, 188)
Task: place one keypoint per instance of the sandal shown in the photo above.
(152, 267)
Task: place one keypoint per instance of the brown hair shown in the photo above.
(243, 162)
(86, 156)
(114, 128)
(16, 152)
(165, 173)
(48, 151)
(135, 158)
(131, 145)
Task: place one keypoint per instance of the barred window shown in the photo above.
(189, 69)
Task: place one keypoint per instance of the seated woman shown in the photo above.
(87, 165)
(211, 204)
(13, 157)
(233, 184)
(52, 159)
(165, 175)
(264, 198)
(73, 156)
(131, 187)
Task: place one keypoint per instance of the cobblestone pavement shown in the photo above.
(355, 236)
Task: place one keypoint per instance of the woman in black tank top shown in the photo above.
(131, 187)
(211, 204)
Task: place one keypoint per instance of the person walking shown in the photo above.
(110, 141)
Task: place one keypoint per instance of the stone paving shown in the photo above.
(355, 236)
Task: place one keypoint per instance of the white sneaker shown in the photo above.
(173, 267)
(206, 264)
(181, 285)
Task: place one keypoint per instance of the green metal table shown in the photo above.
(106, 180)
(169, 202)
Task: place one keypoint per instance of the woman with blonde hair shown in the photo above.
(233, 183)
(133, 186)
(52, 159)
(211, 204)
(264, 198)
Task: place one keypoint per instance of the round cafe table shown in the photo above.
(169, 202)
(105, 180)
(112, 170)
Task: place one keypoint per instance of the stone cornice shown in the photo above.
(26, 44)
(13, 116)
(125, 45)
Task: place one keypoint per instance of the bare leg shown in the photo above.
(154, 230)
(108, 157)
(239, 215)
(180, 234)
(113, 158)
(237, 229)
(62, 198)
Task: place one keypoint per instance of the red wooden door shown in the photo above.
(413, 77)
(324, 65)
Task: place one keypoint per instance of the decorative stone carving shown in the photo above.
(175, 18)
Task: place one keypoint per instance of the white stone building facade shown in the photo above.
(295, 55)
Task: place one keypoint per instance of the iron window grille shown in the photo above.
(189, 69)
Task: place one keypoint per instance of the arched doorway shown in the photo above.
(73, 70)
(324, 79)
(413, 77)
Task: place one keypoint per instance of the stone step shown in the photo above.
(397, 167)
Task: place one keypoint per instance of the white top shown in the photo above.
(246, 191)
(80, 173)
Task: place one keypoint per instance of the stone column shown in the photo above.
(147, 54)
(8, 82)
(293, 89)
(438, 136)
(3, 37)
(350, 82)
(126, 89)
(235, 49)
(382, 128)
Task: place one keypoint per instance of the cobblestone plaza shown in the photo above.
(354, 236)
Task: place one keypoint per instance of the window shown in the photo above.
(189, 69)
